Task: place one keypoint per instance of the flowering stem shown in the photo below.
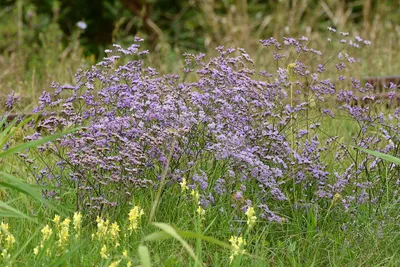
(162, 182)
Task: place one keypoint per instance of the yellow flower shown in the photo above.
(183, 185)
(5, 254)
(103, 252)
(115, 263)
(57, 220)
(336, 198)
(291, 73)
(10, 240)
(195, 195)
(63, 232)
(66, 222)
(251, 219)
(201, 212)
(125, 254)
(36, 250)
(134, 217)
(77, 222)
(114, 231)
(5, 227)
(46, 233)
(102, 228)
(237, 244)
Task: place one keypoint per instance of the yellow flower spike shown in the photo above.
(63, 232)
(251, 219)
(5, 226)
(102, 228)
(201, 212)
(336, 198)
(115, 263)
(114, 231)
(196, 195)
(5, 254)
(10, 240)
(291, 73)
(103, 252)
(184, 186)
(46, 232)
(125, 253)
(36, 250)
(57, 220)
(134, 217)
(77, 222)
(237, 244)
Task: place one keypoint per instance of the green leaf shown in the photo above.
(187, 234)
(171, 231)
(12, 182)
(144, 256)
(157, 236)
(11, 212)
(380, 155)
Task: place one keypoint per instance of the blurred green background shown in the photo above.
(41, 42)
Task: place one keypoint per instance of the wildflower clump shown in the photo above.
(237, 244)
(264, 125)
(134, 218)
(107, 234)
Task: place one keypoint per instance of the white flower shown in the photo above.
(81, 25)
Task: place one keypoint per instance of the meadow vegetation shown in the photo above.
(274, 154)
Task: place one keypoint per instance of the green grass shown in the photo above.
(171, 233)
(310, 237)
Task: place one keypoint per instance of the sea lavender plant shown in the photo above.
(263, 128)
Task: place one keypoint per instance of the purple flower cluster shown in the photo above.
(233, 130)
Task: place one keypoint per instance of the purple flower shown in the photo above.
(11, 100)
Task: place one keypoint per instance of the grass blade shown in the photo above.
(144, 256)
(171, 231)
(9, 211)
(16, 184)
(380, 155)
(34, 143)
(157, 236)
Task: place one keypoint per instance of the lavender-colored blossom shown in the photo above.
(11, 100)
